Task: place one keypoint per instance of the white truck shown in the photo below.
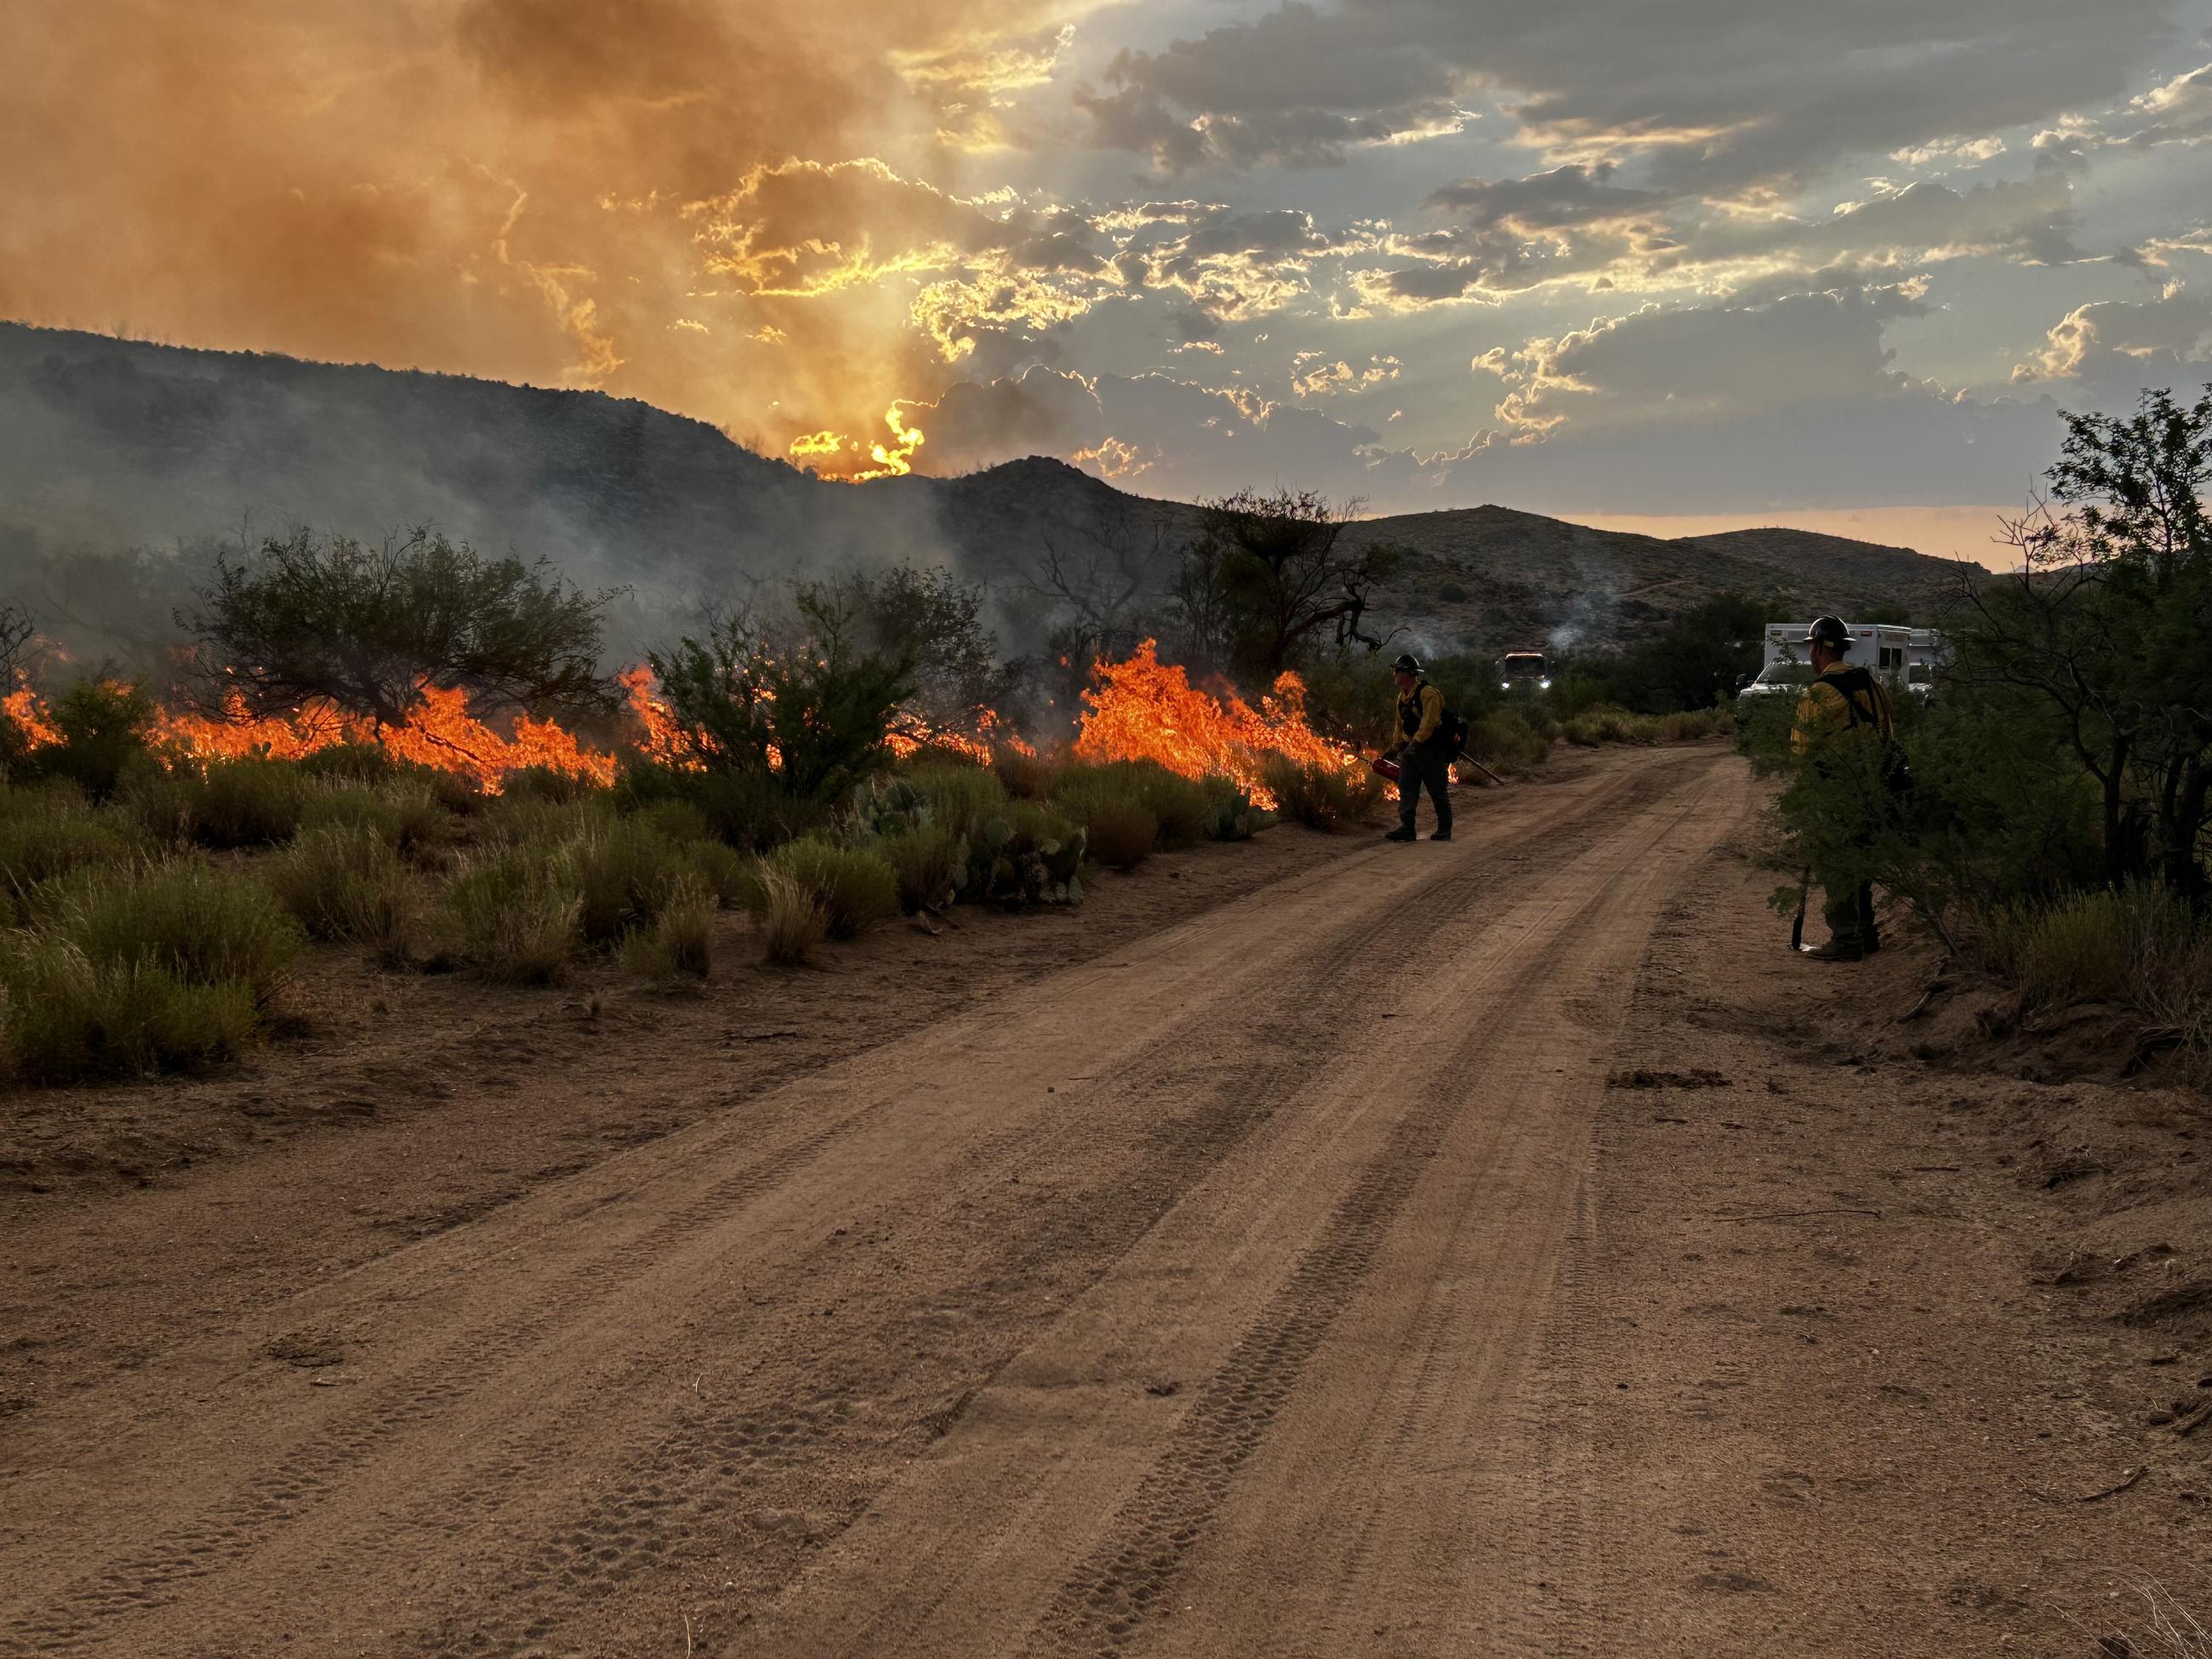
(1908, 657)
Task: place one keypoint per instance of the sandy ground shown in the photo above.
(1315, 1247)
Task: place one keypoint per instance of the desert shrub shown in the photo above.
(50, 831)
(1322, 797)
(1507, 743)
(511, 914)
(1610, 723)
(624, 872)
(247, 803)
(721, 871)
(205, 926)
(511, 821)
(457, 792)
(1023, 773)
(963, 798)
(345, 882)
(680, 939)
(103, 730)
(353, 763)
(1179, 807)
(929, 861)
(2141, 946)
(65, 1015)
(747, 809)
(1118, 829)
(351, 806)
(157, 803)
(1029, 854)
(856, 888)
(545, 783)
(794, 920)
(678, 820)
(1230, 813)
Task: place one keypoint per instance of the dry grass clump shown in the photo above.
(854, 887)
(344, 882)
(1608, 722)
(168, 966)
(929, 861)
(248, 803)
(1322, 797)
(680, 940)
(1023, 773)
(50, 830)
(963, 798)
(2141, 947)
(794, 920)
(1505, 743)
(511, 914)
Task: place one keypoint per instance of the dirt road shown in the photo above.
(1230, 1295)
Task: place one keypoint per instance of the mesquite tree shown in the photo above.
(364, 627)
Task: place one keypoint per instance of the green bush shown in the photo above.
(345, 882)
(103, 732)
(545, 783)
(1180, 807)
(511, 914)
(352, 806)
(963, 798)
(1322, 797)
(1508, 743)
(50, 831)
(1118, 829)
(248, 803)
(352, 763)
(1230, 813)
(929, 861)
(681, 938)
(157, 803)
(205, 926)
(2142, 947)
(679, 821)
(64, 1015)
(721, 871)
(511, 821)
(743, 809)
(1610, 723)
(624, 872)
(855, 888)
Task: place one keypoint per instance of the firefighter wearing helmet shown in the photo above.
(1423, 758)
(1845, 704)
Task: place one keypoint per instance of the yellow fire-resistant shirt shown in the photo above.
(1824, 711)
(1425, 704)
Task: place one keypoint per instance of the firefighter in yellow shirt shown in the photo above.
(1844, 704)
(1422, 760)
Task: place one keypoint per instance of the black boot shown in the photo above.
(1401, 833)
(1441, 835)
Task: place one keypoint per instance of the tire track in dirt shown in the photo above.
(1102, 1605)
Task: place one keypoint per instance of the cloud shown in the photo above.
(2134, 342)
(1723, 98)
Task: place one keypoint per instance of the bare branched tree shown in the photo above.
(1104, 575)
(19, 635)
(1270, 576)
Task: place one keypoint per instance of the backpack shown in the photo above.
(1451, 739)
(1896, 769)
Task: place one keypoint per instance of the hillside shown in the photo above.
(116, 454)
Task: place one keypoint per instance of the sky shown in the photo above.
(1670, 267)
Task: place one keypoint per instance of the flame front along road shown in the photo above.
(1133, 1310)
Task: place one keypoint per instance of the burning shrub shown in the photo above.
(246, 803)
(344, 882)
(1324, 796)
(792, 917)
(510, 914)
(681, 939)
(929, 861)
(855, 889)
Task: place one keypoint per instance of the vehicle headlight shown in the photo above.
(1506, 685)
(1543, 685)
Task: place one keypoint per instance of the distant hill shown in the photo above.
(110, 446)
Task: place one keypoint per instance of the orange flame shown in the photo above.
(1145, 710)
(22, 705)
